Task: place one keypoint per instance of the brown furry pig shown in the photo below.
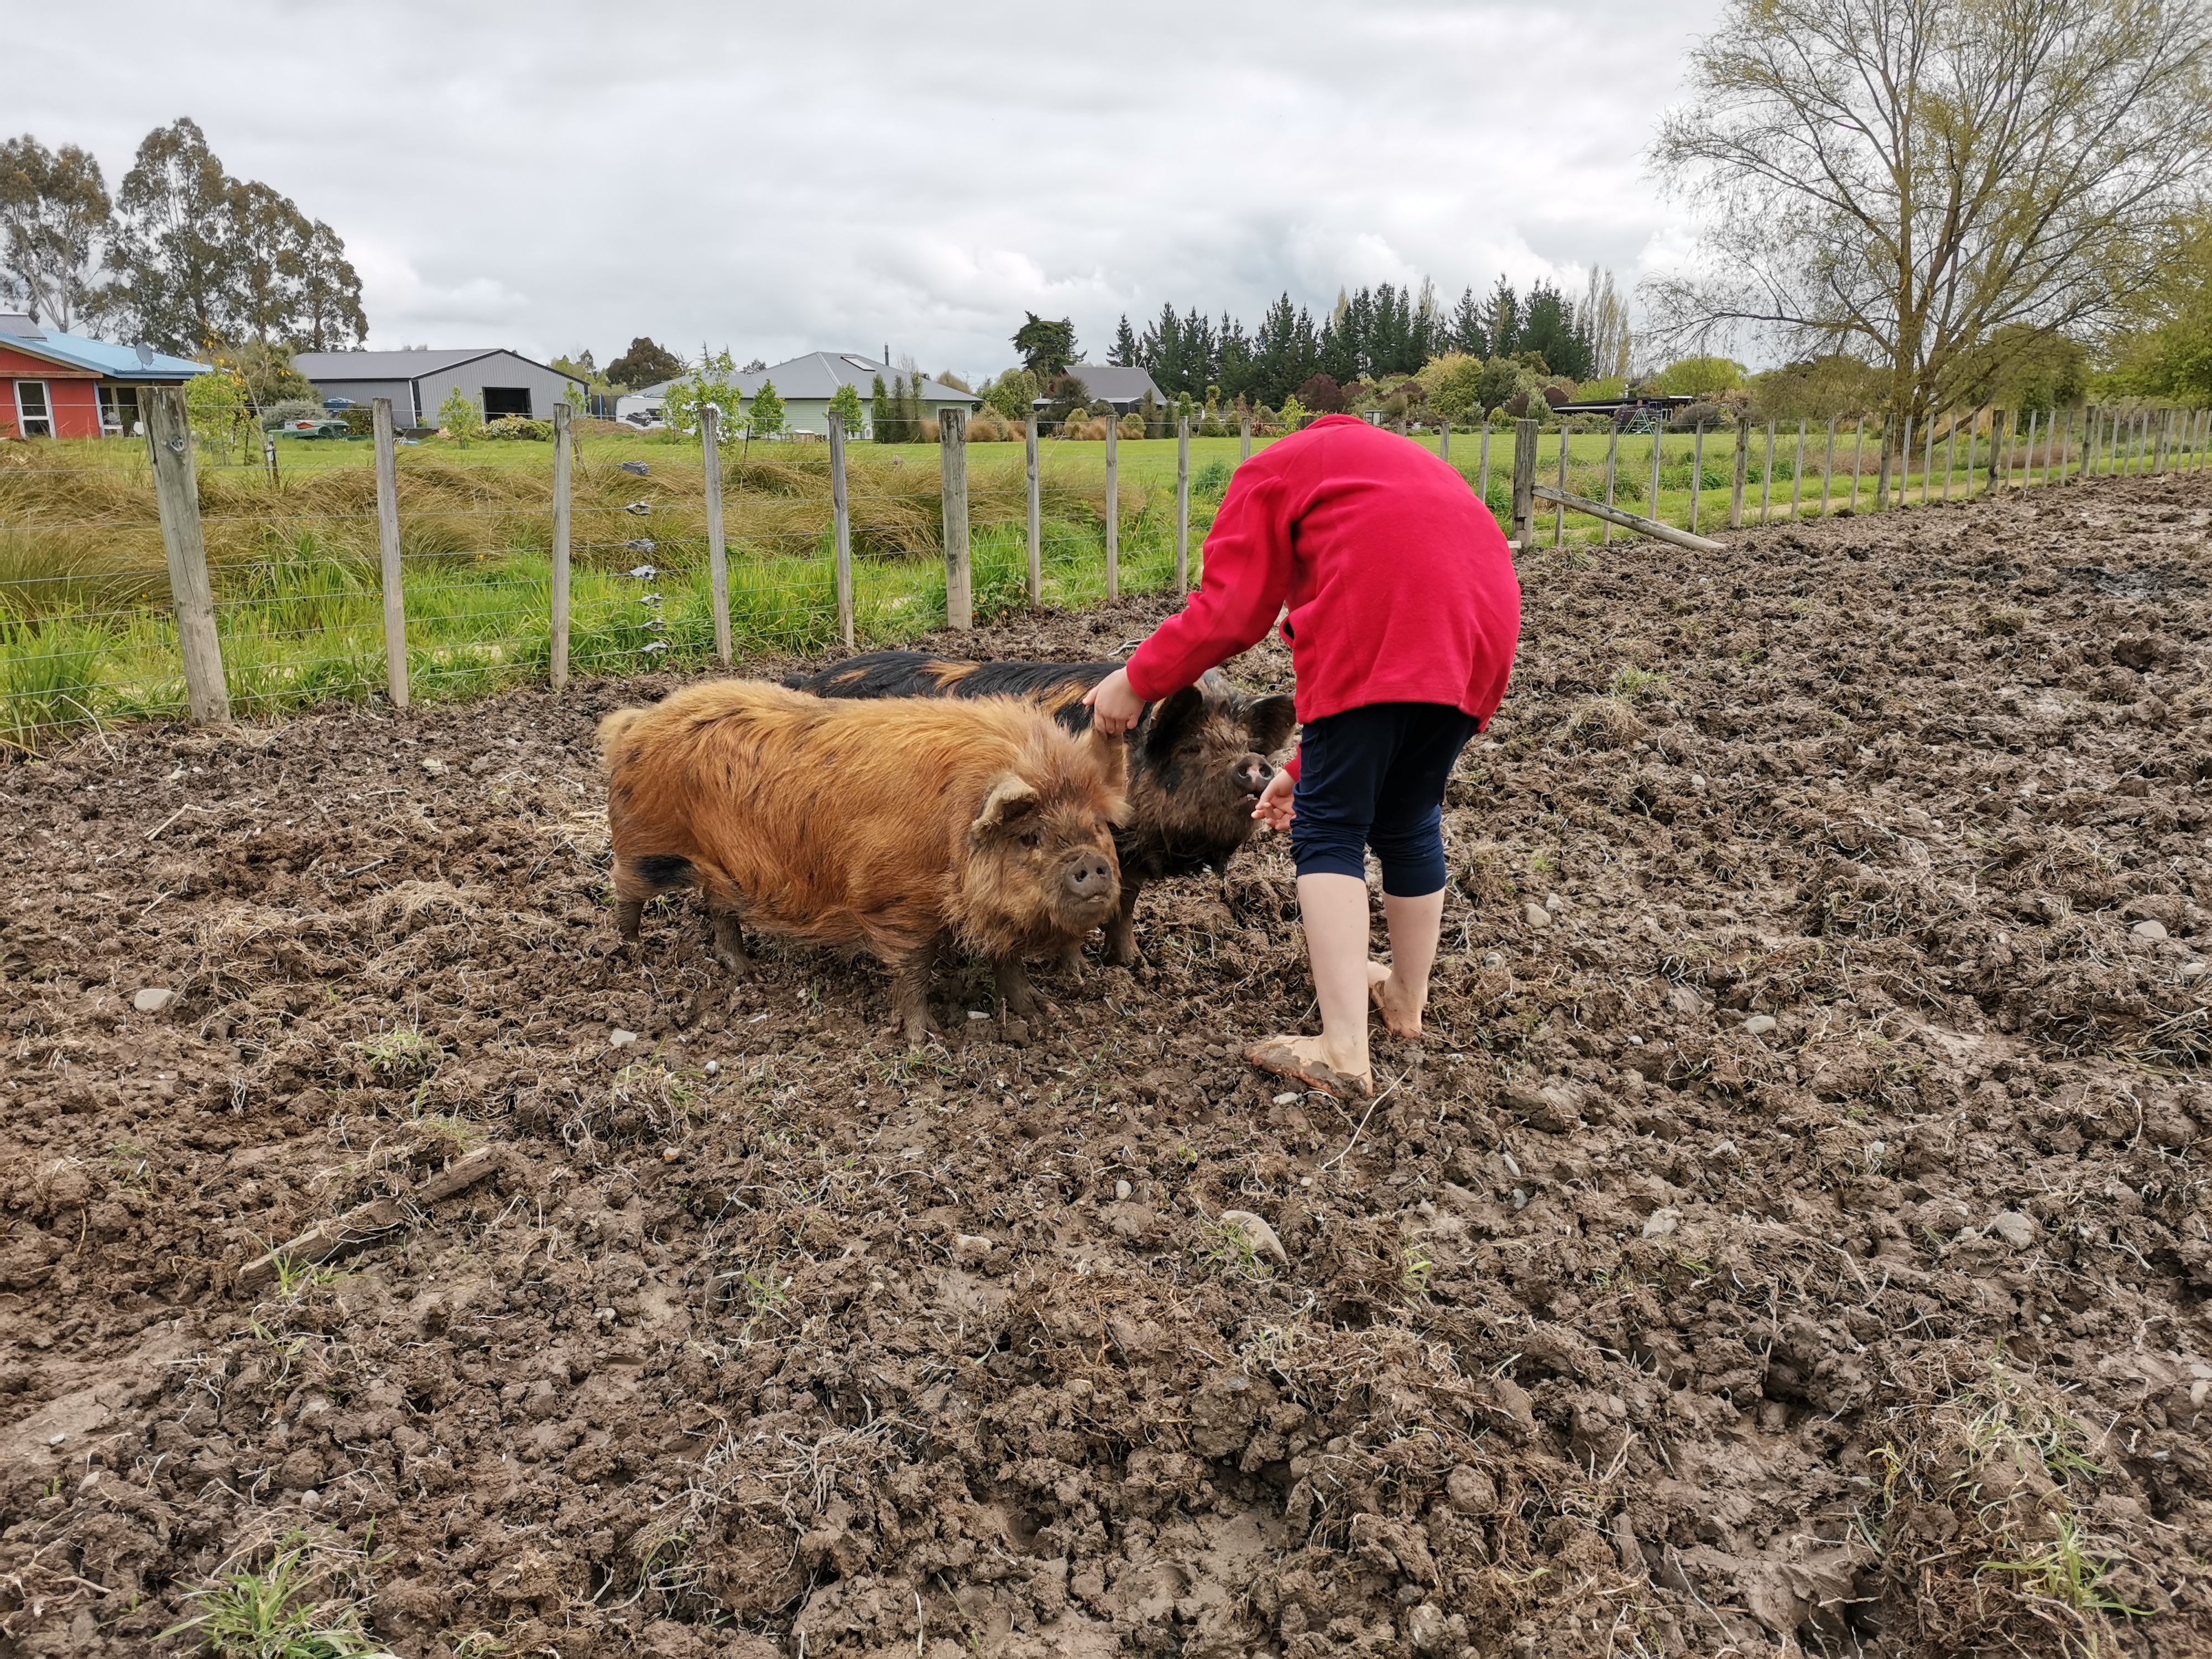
(896, 826)
(1197, 760)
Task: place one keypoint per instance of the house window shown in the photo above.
(499, 400)
(118, 411)
(34, 416)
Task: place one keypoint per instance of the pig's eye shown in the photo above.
(1030, 838)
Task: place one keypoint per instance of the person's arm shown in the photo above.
(1246, 576)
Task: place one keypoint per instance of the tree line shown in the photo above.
(185, 258)
(1370, 333)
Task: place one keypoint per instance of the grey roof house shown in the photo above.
(806, 384)
(1124, 388)
(498, 382)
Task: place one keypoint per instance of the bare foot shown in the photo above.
(1303, 1060)
(1391, 1001)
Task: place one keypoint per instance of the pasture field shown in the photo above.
(1791, 1235)
(87, 638)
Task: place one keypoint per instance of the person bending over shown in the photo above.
(1403, 616)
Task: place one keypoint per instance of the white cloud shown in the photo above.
(783, 178)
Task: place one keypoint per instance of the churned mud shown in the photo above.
(1791, 1235)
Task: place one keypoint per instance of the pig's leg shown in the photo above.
(730, 941)
(1013, 983)
(1121, 925)
(910, 991)
(631, 891)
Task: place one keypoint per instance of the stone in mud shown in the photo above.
(2148, 929)
(2014, 1228)
(1536, 914)
(1661, 1222)
(1759, 1025)
(1427, 1629)
(153, 999)
(1259, 1238)
(1548, 1109)
(969, 1249)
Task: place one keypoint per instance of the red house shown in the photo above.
(65, 386)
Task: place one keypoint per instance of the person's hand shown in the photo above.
(1274, 807)
(1114, 707)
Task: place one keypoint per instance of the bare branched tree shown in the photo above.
(1903, 179)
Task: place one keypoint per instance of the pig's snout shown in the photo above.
(1253, 775)
(1089, 878)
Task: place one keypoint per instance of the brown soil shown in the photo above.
(1792, 1232)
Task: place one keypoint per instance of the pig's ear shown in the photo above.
(1007, 808)
(1272, 720)
(1173, 719)
(1113, 755)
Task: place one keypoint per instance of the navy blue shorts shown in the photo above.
(1375, 777)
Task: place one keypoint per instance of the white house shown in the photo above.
(806, 384)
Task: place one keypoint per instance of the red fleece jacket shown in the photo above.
(1400, 584)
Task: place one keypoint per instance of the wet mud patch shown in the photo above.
(1791, 1235)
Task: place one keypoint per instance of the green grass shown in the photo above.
(283, 1610)
(86, 637)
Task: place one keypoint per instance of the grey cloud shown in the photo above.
(782, 178)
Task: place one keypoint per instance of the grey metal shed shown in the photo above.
(498, 382)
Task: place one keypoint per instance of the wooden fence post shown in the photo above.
(1798, 475)
(1524, 485)
(841, 511)
(718, 556)
(564, 534)
(1244, 437)
(1035, 514)
(1182, 504)
(1113, 509)
(1904, 463)
(1560, 513)
(176, 495)
(1658, 452)
(1697, 475)
(1740, 472)
(387, 549)
(1612, 466)
(1766, 475)
(1482, 465)
(1927, 457)
(952, 474)
(1858, 454)
(2066, 449)
(1827, 467)
(1443, 440)
(1998, 457)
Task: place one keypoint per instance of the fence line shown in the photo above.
(473, 592)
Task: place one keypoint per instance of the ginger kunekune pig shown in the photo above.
(896, 826)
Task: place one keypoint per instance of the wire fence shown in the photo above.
(136, 584)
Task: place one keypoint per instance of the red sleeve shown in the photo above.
(1246, 573)
(1291, 765)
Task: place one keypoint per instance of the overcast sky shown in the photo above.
(779, 178)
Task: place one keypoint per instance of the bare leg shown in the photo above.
(1401, 990)
(1335, 907)
(1013, 983)
(1121, 925)
(910, 992)
(730, 942)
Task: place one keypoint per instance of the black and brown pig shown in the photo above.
(894, 826)
(1198, 760)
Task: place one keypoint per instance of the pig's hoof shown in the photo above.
(737, 962)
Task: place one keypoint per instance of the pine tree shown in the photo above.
(1464, 331)
(880, 412)
(1124, 354)
(1501, 321)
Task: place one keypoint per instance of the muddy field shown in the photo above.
(1793, 1232)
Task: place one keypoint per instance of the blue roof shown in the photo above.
(122, 362)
